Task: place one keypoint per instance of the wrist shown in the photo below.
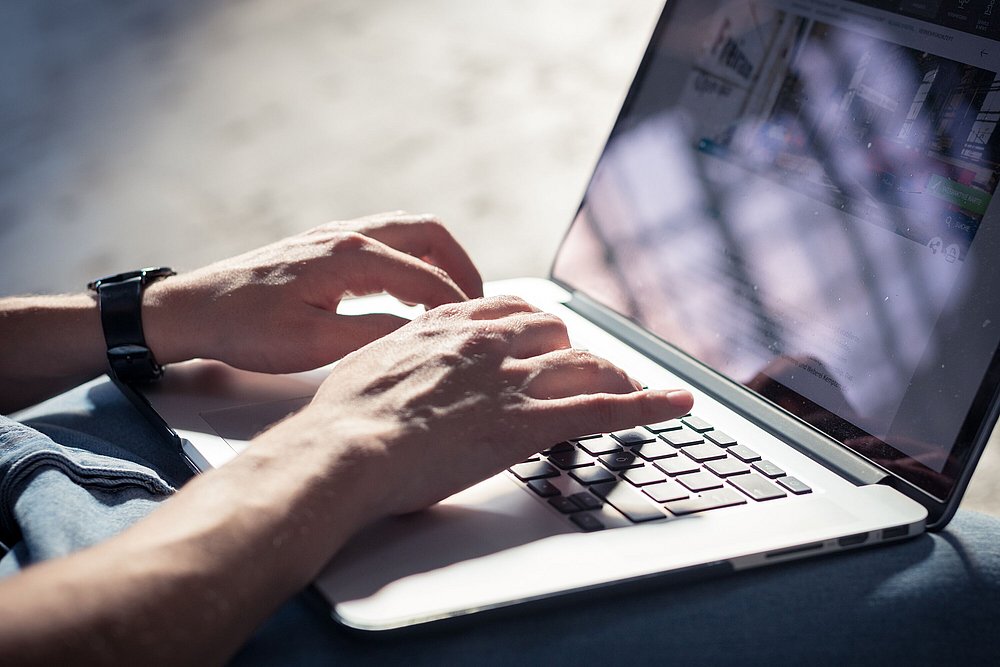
(328, 460)
(170, 321)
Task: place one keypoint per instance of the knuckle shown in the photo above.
(583, 359)
(483, 339)
(448, 311)
(434, 225)
(507, 301)
(543, 318)
(427, 218)
(551, 323)
(347, 241)
(328, 229)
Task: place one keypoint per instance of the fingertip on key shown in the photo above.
(680, 399)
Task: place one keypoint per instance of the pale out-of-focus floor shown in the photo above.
(181, 131)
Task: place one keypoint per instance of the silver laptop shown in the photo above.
(791, 218)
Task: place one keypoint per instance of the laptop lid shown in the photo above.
(797, 196)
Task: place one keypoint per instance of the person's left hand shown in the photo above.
(274, 309)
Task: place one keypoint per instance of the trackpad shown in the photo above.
(237, 426)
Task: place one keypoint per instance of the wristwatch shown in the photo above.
(120, 301)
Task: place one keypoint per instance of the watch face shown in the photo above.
(147, 275)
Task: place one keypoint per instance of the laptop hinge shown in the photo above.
(799, 435)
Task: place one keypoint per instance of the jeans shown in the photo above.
(934, 599)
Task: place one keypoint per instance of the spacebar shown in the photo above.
(624, 498)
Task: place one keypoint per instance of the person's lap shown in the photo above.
(934, 598)
(931, 599)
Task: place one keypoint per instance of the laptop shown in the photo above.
(791, 218)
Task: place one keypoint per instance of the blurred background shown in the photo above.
(178, 132)
(149, 132)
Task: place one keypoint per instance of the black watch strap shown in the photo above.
(120, 301)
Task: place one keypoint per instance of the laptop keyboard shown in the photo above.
(652, 472)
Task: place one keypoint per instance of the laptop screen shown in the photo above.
(799, 195)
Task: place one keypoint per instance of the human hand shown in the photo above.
(458, 395)
(274, 309)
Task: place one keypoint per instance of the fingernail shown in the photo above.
(636, 384)
(680, 398)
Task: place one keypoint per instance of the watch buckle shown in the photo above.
(133, 363)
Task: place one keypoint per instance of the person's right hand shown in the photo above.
(459, 394)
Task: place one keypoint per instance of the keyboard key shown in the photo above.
(564, 505)
(643, 476)
(705, 452)
(652, 451)
(543, 487)
(534, 470)
(795, 485)
(757, 487)
(720, 438)
(769, 469)
(682, 438)
(592, 475)
(633, 436)
(587, 522)
(602, 445)
(708, 500)
(560, 447)
(660, 427)
(571, 459)
(664, 492)
(624, 498)
(531, 459)
(679, 465)
(744, 453)
(696, 424)
(700, 481)
(588, 437)
(727, 467)
(621, 460)
(586, 501)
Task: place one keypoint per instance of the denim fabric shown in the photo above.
(77, 470)
(931, 600)
(55, 499)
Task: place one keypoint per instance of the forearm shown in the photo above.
(47, 344)
(271, 310)
(53, 343)
(189, 583)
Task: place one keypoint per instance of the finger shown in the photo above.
(602, 413)
(565, 373)
(497, 307)
(538, 333)
(375, 267)
(424, 236)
